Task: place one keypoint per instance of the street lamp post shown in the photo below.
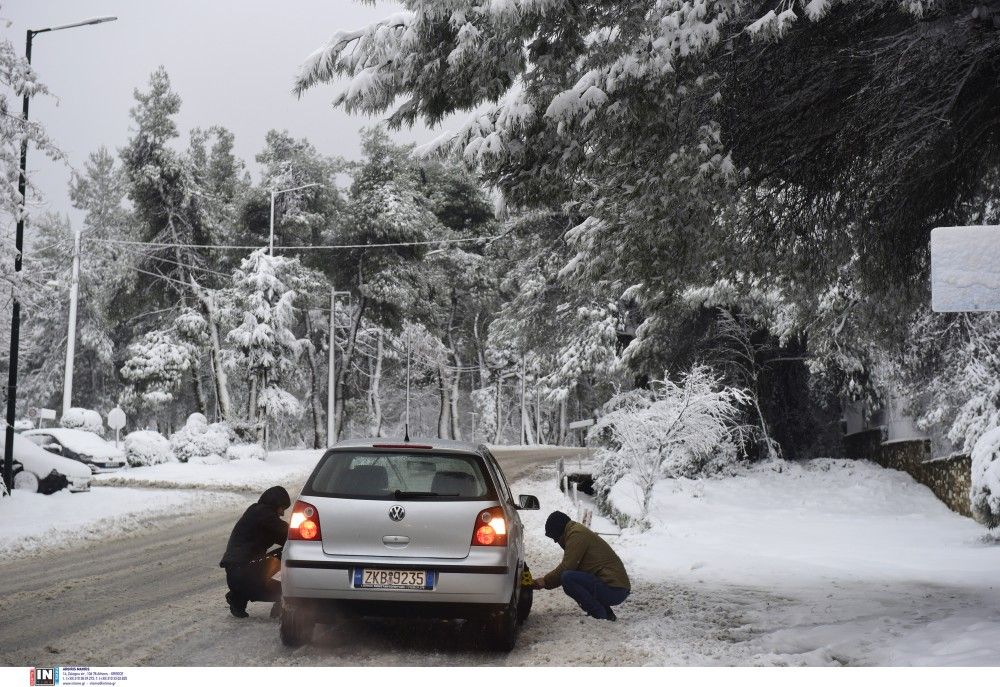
(270, 242)
(15, 322)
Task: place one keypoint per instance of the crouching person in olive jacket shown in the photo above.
(248, 570)
(590, 573)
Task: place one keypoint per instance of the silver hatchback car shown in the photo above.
(421, 528)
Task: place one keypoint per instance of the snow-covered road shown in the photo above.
(833, 563)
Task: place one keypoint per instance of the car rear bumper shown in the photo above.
(330, 610)
(482, 579)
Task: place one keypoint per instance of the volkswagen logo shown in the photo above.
(396, 513)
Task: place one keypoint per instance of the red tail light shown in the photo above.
(490, 528)
(304, 524)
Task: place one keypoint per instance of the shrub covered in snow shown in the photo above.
(246, 452)
(22, 425)
(985, 491)
(81, 418)
(146, 447)
(671, 430)
(198, 439)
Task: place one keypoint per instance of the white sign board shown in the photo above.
(580, 424)
(47, 413)
(116, 418)
(965, 269)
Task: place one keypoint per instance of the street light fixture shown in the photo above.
(15, 323)
(270, 242)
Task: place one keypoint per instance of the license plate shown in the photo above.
(380, 578)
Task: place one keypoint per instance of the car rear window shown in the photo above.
(400, 476)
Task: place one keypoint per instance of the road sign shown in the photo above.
(32, 413)
(116, 418)
(47, 413)
(965, 269)
(580, 424)
(116, 421)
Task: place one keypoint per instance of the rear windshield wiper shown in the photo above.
(400, 494)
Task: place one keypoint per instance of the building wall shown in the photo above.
(949, 478)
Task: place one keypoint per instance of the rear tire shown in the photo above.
(501, 627)
(296, 626)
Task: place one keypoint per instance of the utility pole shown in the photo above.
(74, 294)
(331, 392)
(15, 321)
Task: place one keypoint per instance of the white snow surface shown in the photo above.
(35, 523)
(829, 562)
(245, 474)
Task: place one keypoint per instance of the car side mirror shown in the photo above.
(527, 502)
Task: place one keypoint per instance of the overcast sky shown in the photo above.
(232, 62)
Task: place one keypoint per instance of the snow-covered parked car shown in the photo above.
(38, 470)
(78, 444)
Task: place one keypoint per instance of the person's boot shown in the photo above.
(611, 614)
(276, 609)
(237, 610)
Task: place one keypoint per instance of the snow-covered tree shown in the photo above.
(154, 369)
(985, 491)
(674, 429)
(261, 304)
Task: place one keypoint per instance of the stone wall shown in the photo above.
(949, 478)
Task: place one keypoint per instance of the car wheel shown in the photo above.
(296, 626)
(524, 603)
(26, 481)
(501, 627)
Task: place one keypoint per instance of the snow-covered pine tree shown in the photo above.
(260, 303)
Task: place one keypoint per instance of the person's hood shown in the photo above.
(555, 525)
(275, 497)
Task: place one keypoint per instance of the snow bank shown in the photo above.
(147, 448)
(827, 562)
(985, 491)
(246, 452)
(822, 517)
(287, 468)
(33, 523)
(81, 418)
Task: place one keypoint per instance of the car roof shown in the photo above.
(445, 445)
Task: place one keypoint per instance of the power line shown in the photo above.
(433, 242)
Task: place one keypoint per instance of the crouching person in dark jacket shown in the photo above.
(590, 573)
(248, 571)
